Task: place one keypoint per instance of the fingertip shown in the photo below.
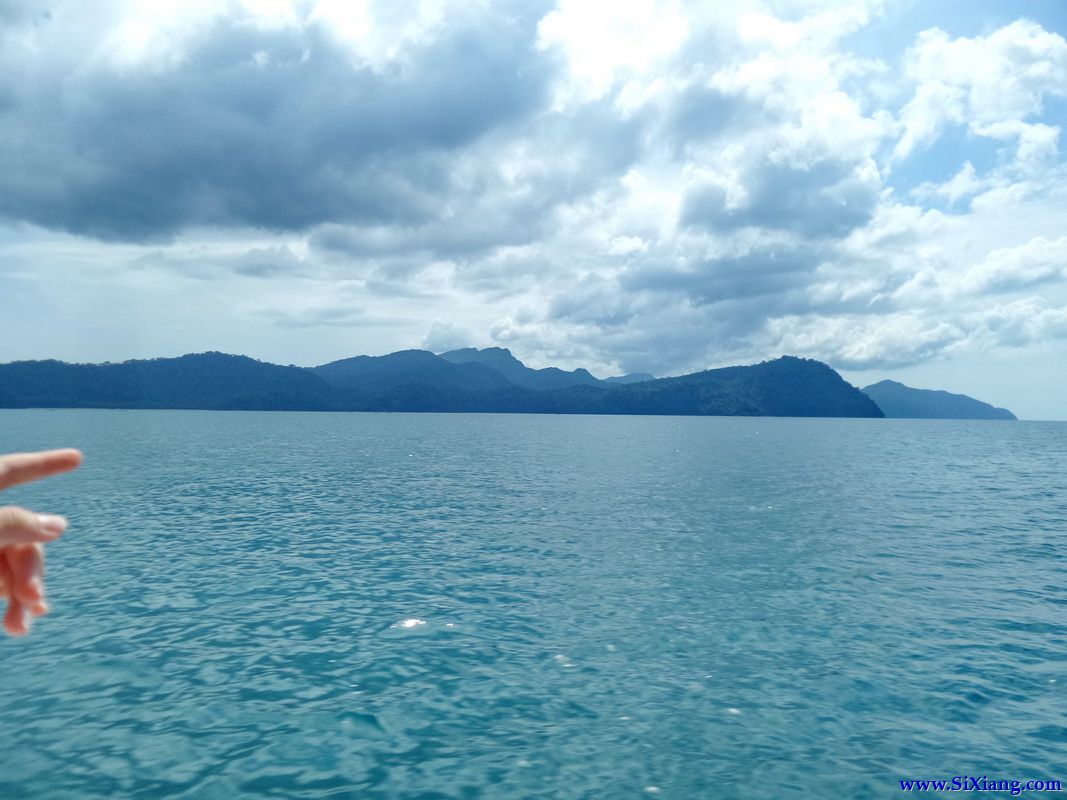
(15, 619)
(52, 525)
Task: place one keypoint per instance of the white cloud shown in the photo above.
(1009, 268)
(602, 50)
(991, 83)
(1018, 324)
(625, 245)
(859, 341)
(963, 184)
(444, 335)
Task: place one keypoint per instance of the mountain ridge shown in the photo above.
(417, 380)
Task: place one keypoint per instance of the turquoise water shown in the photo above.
(494, 606)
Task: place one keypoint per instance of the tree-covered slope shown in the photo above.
(203, 381)
(900, 401)
(381, 374)
(784, 387)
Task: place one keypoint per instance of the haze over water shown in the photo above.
(494, 606)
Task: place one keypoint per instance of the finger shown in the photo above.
(16, 620)
(19, 526)
(26, 585)
(23, 467)
(36, 558)
(41, 607)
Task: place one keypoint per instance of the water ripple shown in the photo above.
(409, 606)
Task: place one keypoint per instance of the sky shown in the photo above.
(643, 186)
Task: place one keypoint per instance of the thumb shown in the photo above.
(19, 526)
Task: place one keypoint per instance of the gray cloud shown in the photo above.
(823, 199)
(595, 300)
(204, 263)
(282, 141)
(467, 234)
(483, 208)
(760, 272)
(265, 262)
(701, 113)
(341, 315)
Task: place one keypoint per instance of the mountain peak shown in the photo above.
(503, 361)
(483, 355)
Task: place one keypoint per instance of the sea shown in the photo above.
(438, 607)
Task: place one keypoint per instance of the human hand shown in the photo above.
(23, 535)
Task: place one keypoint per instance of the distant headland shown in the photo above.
(467, 380)
(903, 402)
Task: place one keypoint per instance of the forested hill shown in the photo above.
(900, 401)
(416, 380)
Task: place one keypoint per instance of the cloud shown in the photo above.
(265, 127)
(1009, 269)
(627, 245)
(907, 338)
(207, 262)
(594, 300)
(1021, 323)
(827, 198)
(991, 83)
(265, 262)
(336, 315)
(759, 272)
(444, 336)
(863, 342)
(961, 185)
(472, 229)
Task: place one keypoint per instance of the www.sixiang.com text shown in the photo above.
(973, 783)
